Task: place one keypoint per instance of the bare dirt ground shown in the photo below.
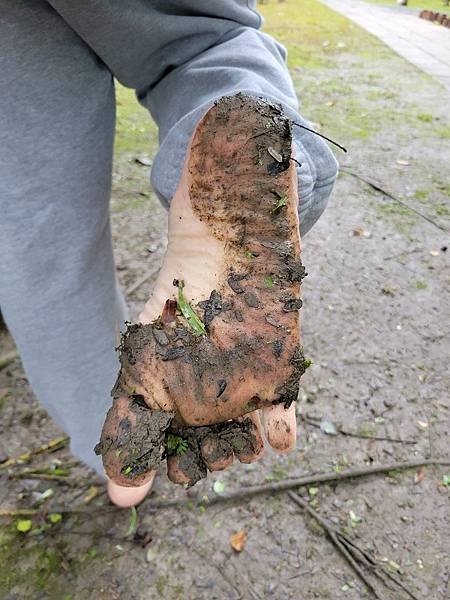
(375, 324)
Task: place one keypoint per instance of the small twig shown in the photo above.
(377, 438)
(8, 358)
(50, 446)
(320, 135)
(334, 535)
(18, 512)
(378, 188)
(45, 476)
(352, 552)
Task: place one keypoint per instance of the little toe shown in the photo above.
(280, 427)
(253, 446)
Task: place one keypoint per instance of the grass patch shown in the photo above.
(136, 132)
(313, 33)
(355, 95)
(435, 5)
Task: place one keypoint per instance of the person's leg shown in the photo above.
(181, 56)
(58, 291)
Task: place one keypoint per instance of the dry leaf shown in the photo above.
(90, 494)
(274, 154)
(238, 540)
(419, 475)
(359, 231)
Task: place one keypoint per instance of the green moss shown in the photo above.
(160, 585)
(421, 194)
(28, 565)
(442, 210)
(442, 132)
(425, 117)
(366, 430)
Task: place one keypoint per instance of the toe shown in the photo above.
(217, 453)
(124, 497)
(280, 427)
(186, 469)
(255, 448)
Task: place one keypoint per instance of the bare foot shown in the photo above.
(219, 337)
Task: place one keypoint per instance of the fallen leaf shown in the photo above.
(90, 494)
(133, 523)
(404, 163)
(328, 427)
(55, 518)
(24, 525)
(274, 154)
(354, 518)
(238, 540)
(219, 487)
(387, 290)
(47, 494)
(152, 553)
(420, 474)
(330, 103)
(359, 231)
(422, 424)
(394, 565)
(143, 160)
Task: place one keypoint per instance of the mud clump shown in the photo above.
(135, 444)
(138, 445)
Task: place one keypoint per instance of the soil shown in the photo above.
(374, 324)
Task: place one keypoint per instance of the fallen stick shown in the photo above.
(50, 446)
(288, 484)
(353, 554)
(333, 534)
(378, 188)
(276, 486)
(46, 477)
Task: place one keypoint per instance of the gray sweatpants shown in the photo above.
(58, 290)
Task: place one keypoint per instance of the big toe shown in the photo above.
(125, 497)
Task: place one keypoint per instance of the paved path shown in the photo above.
(421, 42)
